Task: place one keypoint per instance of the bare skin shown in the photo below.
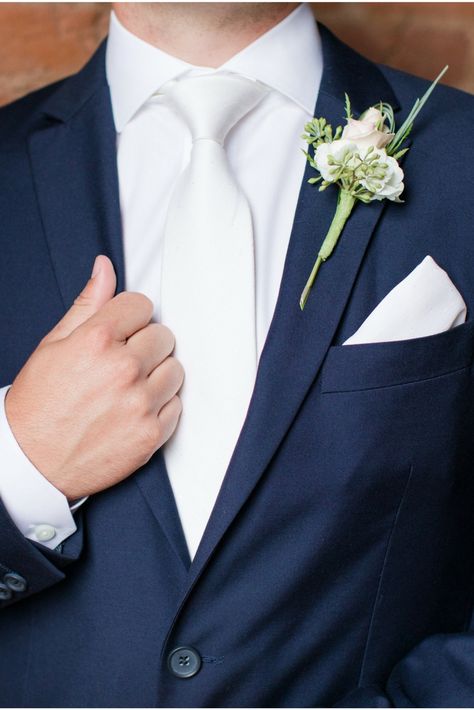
(202, 33)
(99, 395)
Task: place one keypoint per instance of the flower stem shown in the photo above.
(345, 205)
(310, 282)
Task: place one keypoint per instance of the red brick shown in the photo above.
(415, 37)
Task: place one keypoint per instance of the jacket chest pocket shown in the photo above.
(352, 368)
(402, 403)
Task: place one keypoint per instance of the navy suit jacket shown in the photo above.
(337, 566)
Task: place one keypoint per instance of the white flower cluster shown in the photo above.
(358, 161)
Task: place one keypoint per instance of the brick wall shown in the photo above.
(41, 42)
(420, 38)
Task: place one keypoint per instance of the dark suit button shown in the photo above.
(15, 582)
(184, 662)
(5, 593)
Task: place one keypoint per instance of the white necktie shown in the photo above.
(208, 294)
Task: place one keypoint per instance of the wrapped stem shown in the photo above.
(345, 205)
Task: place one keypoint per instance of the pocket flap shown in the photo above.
(359, 367)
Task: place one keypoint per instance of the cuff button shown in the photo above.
(5, 593)
(44, 533)
(15, 582)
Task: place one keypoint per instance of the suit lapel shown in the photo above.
(73, 157)
(74, 163)
(298, 341)
(154, 484)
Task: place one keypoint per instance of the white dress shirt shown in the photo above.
(153, 147)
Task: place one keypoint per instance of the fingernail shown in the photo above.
(96, 268)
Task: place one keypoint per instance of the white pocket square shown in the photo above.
(426, 302)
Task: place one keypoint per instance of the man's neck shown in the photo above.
(205, 34)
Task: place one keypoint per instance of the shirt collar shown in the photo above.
(287, 58)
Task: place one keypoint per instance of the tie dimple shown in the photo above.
(208, 294)
(211, 104)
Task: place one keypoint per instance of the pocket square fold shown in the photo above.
(425, 303)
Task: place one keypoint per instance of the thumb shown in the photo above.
(99, 289)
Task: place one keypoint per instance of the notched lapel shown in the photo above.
(298, 341)
(73, 158)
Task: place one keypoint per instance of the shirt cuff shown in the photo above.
(39, 510)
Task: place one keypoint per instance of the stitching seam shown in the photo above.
(382, 572)
(397, 384)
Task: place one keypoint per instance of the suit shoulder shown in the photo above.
(18, 118)
(409, 87)
(443, 130)
(438, 163)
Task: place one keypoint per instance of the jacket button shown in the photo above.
(5, 593)
(15, 582)
(184, 662)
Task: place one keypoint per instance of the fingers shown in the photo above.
(99, 290)
(151, 346)
(123, 316)
(168, 418)
(165, 381)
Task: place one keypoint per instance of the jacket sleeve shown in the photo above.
(439, 672)
(27, 567)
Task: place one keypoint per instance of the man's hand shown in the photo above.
(98, 396)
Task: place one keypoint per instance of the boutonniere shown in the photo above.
(361, 159)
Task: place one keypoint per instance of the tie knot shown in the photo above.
(212, 103)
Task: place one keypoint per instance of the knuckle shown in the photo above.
(60, 331)
(134, 299)
(151, 436)
(174, 370)
(121, 297)
(178, 371)
(47, 350)
(168, 418)
(177, 405)
(100, 336)
(167, 337)
(138, 404)
(82, 300)
(145, 302)
(130, 369)
(160, 429)
(45, 341)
